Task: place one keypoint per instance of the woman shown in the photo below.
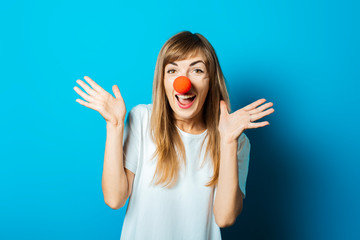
(177, 188)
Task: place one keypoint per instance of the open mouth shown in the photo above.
(185, 101)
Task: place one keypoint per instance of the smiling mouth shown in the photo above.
(185, 100)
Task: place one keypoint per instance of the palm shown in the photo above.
(112, 109)
(232, 125)
(116, 106)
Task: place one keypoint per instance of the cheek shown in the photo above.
(202, 85)
(168, 87)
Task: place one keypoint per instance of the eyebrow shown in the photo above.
(191, 64)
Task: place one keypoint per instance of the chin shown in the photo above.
(185, 113)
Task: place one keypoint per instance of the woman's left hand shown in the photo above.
(232, 125)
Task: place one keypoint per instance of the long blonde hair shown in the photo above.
(169, 146)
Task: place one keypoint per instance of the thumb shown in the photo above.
(116, 91)
(223, 107)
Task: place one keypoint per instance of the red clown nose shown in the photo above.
(182, 84)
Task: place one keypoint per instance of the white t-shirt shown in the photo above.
(183, 212)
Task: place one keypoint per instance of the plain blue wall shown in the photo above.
(303, 56)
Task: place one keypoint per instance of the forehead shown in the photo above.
(189, 59)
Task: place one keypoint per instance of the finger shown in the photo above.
(95, 86)
(116, 91)
(84, 95)
(88, 89)
(258, 124)
(257, 116)
(86, 104)
(254, 104)
(223, 107)
(261, 108)
(95, 107)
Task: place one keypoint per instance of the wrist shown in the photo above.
(228, 140)
(112, 126)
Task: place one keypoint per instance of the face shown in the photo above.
(193, 68)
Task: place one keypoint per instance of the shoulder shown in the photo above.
(243, 138)
(243, 141)
(141, 110)
(243, 150)
(139, 116)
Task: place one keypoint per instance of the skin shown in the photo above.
(229, 199)
(228, 202)
(117, 185)
(190, 119)
(116, 180)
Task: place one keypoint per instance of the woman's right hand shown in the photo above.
(112, 109)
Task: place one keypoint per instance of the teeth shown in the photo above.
(185, 96)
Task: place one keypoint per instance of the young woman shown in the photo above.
(183, 160)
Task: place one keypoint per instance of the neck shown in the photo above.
(194, 125)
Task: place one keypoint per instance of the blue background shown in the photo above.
(303, 56)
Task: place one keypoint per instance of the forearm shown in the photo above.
(114, 180)
(228, 200)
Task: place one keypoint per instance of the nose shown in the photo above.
(182, 84)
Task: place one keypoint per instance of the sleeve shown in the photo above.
(243, 156)
(132, 140)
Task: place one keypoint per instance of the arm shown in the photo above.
(113, 110)
(114, 179)
(229, 198)
(228, 201)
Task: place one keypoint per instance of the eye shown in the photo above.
(198, 70)
(169, 71)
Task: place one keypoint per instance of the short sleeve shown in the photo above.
(243, 156)
(131, 140)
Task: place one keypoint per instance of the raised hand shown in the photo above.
(112, 109)
(232, 125)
